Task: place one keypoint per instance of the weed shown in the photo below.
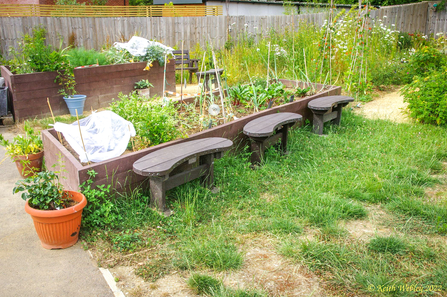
(391, 245)
(154, 269)
(126, 241)
(218, 254)
(209, 286)
(204, 284)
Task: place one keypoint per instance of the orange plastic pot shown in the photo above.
(59, 229)
(30, 164)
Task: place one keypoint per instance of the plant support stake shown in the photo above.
(54, 120)
(82, 138)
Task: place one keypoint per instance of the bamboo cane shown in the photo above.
(220, 86)
(54, 120)
(82, 139)
(181, 78)
(164, 77)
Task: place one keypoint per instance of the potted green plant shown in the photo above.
(143, 88)
(26, 151)
(74, 101)
(56, 213)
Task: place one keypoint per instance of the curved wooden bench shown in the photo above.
(177, 164)
(266, 130)
(326, 109)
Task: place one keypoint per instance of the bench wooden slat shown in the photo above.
(163, 161)
(265, 126)
(326, 103)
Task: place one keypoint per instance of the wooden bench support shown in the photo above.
(175, 165)
(327, 109)
(262, 133)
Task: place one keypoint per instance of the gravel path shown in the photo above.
(389, 106)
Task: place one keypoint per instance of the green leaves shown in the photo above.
(42, 191)
(30, 143)
(427, 97)
(153, 122)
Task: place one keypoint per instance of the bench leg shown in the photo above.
(284, 130)
(318, 124)
(190, 76)
(337, 120)
(257, 152)
(158, 192)
(207, 179)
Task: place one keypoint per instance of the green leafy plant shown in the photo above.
(155, 53)
(82, 57)
(30, 143)
(301, 92)
(100, 211)
(239, 94)
(126, 241)
(143, 84)
(427, 97)
(153, 122)
(426, 59)
(43, 191)
(33, 55)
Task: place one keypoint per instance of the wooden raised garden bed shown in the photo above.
(118, 171)
(28, 93)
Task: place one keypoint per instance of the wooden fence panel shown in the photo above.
(97, 32)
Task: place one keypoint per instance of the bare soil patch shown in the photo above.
(370, 227)
(388, 106)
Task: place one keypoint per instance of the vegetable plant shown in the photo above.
(143, 84)
(43, 191)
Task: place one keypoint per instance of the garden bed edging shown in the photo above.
(118, 171)
(28, 93)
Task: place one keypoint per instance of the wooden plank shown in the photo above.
(165, 160)
(265, 126)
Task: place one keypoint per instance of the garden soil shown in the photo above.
(27, 269)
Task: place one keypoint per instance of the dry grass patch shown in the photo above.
(266, 270)
(371, 226)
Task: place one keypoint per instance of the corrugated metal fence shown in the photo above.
(97, 32)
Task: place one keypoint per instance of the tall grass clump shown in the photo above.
(82, 57)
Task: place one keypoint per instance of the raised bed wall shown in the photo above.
(118, 171)
(28, 93)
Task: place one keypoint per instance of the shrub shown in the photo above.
(153, 122)
(426, 59)
(427, 98)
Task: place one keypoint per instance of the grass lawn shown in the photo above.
(359, 212)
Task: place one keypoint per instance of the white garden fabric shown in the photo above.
(137, 46)
(105, 134)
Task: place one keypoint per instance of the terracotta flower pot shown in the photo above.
(30, 164)
(59, 229)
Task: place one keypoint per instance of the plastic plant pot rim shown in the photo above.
(77, 196)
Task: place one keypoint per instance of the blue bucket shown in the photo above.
(75, 102)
